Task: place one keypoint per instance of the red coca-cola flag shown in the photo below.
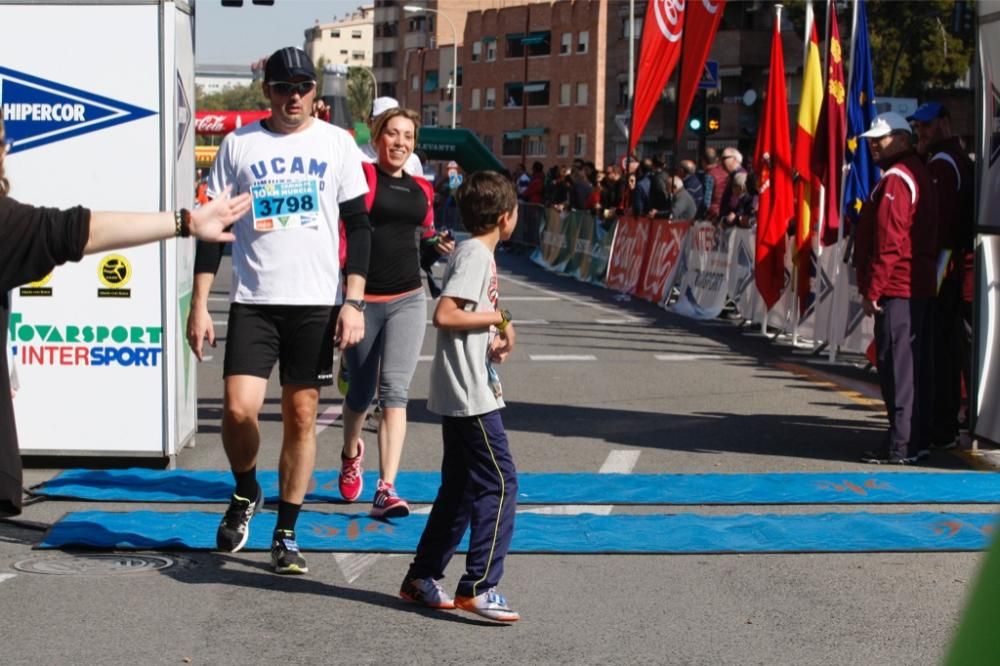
(217, 123)
(773, 161)
(700, 26)
(658, 55)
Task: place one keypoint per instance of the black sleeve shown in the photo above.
(207, 257)
(359, 235)
(34, 240)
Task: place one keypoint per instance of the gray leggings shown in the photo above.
(394, 335)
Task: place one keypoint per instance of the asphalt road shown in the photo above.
(593, 385)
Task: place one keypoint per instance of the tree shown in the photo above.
(360, 93)
(914, 45)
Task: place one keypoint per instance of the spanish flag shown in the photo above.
(809, 108)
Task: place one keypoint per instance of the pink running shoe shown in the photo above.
(350, 481)
(387, 504)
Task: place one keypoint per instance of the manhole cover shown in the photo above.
(97, 564)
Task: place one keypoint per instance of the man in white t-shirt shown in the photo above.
(380, 105)
(304, 176)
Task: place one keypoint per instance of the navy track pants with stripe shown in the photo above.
(478, 490)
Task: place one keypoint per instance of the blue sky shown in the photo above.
(239, 36)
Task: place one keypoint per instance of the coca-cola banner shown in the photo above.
(628, 254)
(658, 55)
(665, 245)
(217, 123)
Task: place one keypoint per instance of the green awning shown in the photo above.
(535, 87)
(431, 82)
(516, 134)
(461, 145)
(486, 40)
(515, 36)
(535, 38)
(534, 131)
(447, 108)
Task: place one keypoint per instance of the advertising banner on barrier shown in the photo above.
(666, 243)
(742, 290)
(558, 237)
(593, 249)
(628, 254)
(705, 271)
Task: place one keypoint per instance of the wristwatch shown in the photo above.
(505, 319)
(356, 303)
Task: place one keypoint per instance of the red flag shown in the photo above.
(700, 26)
(831, 134)
(658, 55)
(773, 161)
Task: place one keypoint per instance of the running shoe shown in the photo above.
(350, 481)
(490, 604)
(874, 459)
(234, 530)
(285, 555)
(387, 504)
(426, 592)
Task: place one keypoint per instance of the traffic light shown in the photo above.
(696, 118)
(713, 120)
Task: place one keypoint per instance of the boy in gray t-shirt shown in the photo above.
(478, 477)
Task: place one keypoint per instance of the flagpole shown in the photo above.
(797, 255)
(677, 98)
(843, 187)
(631, 89)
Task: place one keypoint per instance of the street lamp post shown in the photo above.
(454, 60)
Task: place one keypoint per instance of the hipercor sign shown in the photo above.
(37, 111)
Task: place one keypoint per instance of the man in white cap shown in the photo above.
(380, 105)
(895, 250)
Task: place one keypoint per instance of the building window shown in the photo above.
(487, 140)
(415, 82)
(566, 45)
(625, 26)
(356, 34)
(474, 102)
(563, 145)
(623, 94)
(581, 94)
(511, 144)
(430, 115)
(565, 94)
(343, 51)
(536, 146)
(491, 98)
(580, 146)
(491, 50)
(583, 42)
(534, 44)
(335, 34)
(477, 51)
(358, 55)
(535, 93)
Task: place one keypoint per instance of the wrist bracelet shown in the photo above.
(182, 223)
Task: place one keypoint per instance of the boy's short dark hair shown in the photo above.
(482, 198)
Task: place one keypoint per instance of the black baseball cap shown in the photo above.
(287, 63)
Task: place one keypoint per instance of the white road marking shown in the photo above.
(4, 577)
(425, 358)
(206, 358)
(622, 320)
(352, 565)
(508, 299)
(220, 323)
(563, 297)
(219, 298)
(686, 357)
(562, 357)
(328, 417)
(519, 322)
(619, 461)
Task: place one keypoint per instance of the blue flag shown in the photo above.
(862, 173)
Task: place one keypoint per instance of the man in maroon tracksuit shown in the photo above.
(952, 172)
(895, 245)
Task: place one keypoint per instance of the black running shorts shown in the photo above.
(299, 337)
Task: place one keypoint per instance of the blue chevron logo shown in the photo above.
(37, 112)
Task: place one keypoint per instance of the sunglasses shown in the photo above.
(287, 88)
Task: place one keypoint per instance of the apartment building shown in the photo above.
(347, 41)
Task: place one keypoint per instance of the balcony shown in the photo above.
(389, 13)
(415, 40)
(385, 44)
(386, 74)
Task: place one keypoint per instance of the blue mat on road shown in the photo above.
(539, 533)
(143, 485)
